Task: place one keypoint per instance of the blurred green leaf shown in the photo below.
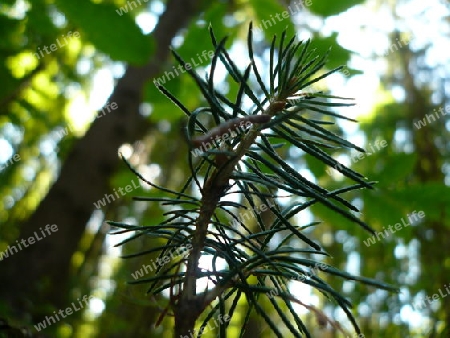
(192, 52)
(397, 168)
(338, 55)
(431, 197)
(162, 107)
(272, 18)
(12, 30)
(118, 36)
(328, 8)
(39, 20)
(382, 210)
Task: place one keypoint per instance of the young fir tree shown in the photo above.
(241, 156)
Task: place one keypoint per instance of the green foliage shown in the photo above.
(39, 20)
(327, 8)
(31, 114)
(163, 110)
(10, 44)
(269, 18)
(249, 165)
(215, 14)
(338, 55)
(121, 39)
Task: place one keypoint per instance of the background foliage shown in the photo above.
(68, 158)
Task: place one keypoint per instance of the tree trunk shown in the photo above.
(41, 273)
(435, 250)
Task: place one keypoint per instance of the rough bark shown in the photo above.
(40, 273)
